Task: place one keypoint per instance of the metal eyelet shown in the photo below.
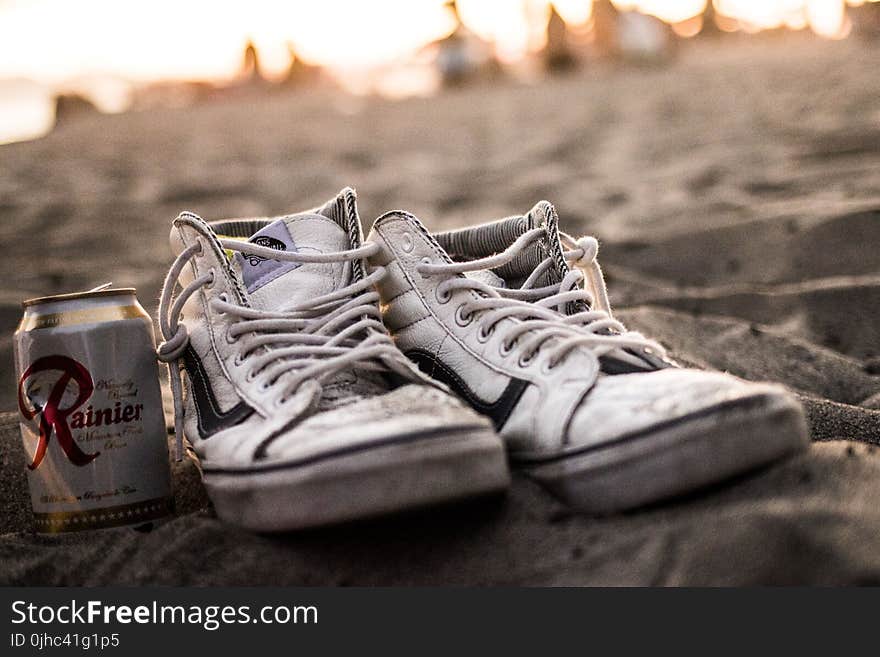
(505, 348)
(442, 298)
(525, 361)
(231, 339)
(462, 320)
(484, 336)
(210, 284)
(406, 242)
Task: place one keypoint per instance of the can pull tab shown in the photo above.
(101, 287)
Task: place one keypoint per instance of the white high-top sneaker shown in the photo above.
(299, 410)
(596, 413)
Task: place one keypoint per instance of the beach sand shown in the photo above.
(736, 197)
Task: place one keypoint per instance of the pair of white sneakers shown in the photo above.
(329, 378)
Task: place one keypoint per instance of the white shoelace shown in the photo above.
(542, 310)
(296, 348)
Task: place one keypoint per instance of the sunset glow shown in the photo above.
(104, 48)
(204, 38)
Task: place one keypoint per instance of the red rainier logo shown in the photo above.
(53, 416)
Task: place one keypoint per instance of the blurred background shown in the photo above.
(725, 152)
(58, 56)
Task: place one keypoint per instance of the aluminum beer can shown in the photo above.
(91, 420)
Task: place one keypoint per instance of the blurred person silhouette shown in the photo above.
(865, 20)
(630, 35)
(557, 54)
(250, 65)
(462, 56)
(71, 105)
(299, 72)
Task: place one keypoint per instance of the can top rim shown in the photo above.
(119, 291)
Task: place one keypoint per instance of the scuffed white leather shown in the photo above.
(207, 329)
(409, 408)
(405, 410)
(628, 403)
(566, 406)
(542, 414)
(310, 233)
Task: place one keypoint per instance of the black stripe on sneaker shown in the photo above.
(752, 402)
(210, 418)
(498, 411)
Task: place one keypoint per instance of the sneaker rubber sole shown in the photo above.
(674, 458)
(394, 474)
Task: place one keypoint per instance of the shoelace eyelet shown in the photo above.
(442, 298)
(210, 284)
(483, 336)
(366, 328)
(406, 242)
(461, 319)
(525, 361)
(549, 365)
(224, 298)
(505, 348)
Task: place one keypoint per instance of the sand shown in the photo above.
(736, 196)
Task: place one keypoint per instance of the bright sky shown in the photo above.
(99, 46)
(54, 40)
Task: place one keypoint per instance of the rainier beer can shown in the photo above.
(91, 412)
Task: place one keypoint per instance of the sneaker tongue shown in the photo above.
(488, 277)
(487, 239)
(504, 232)
(279, 284)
